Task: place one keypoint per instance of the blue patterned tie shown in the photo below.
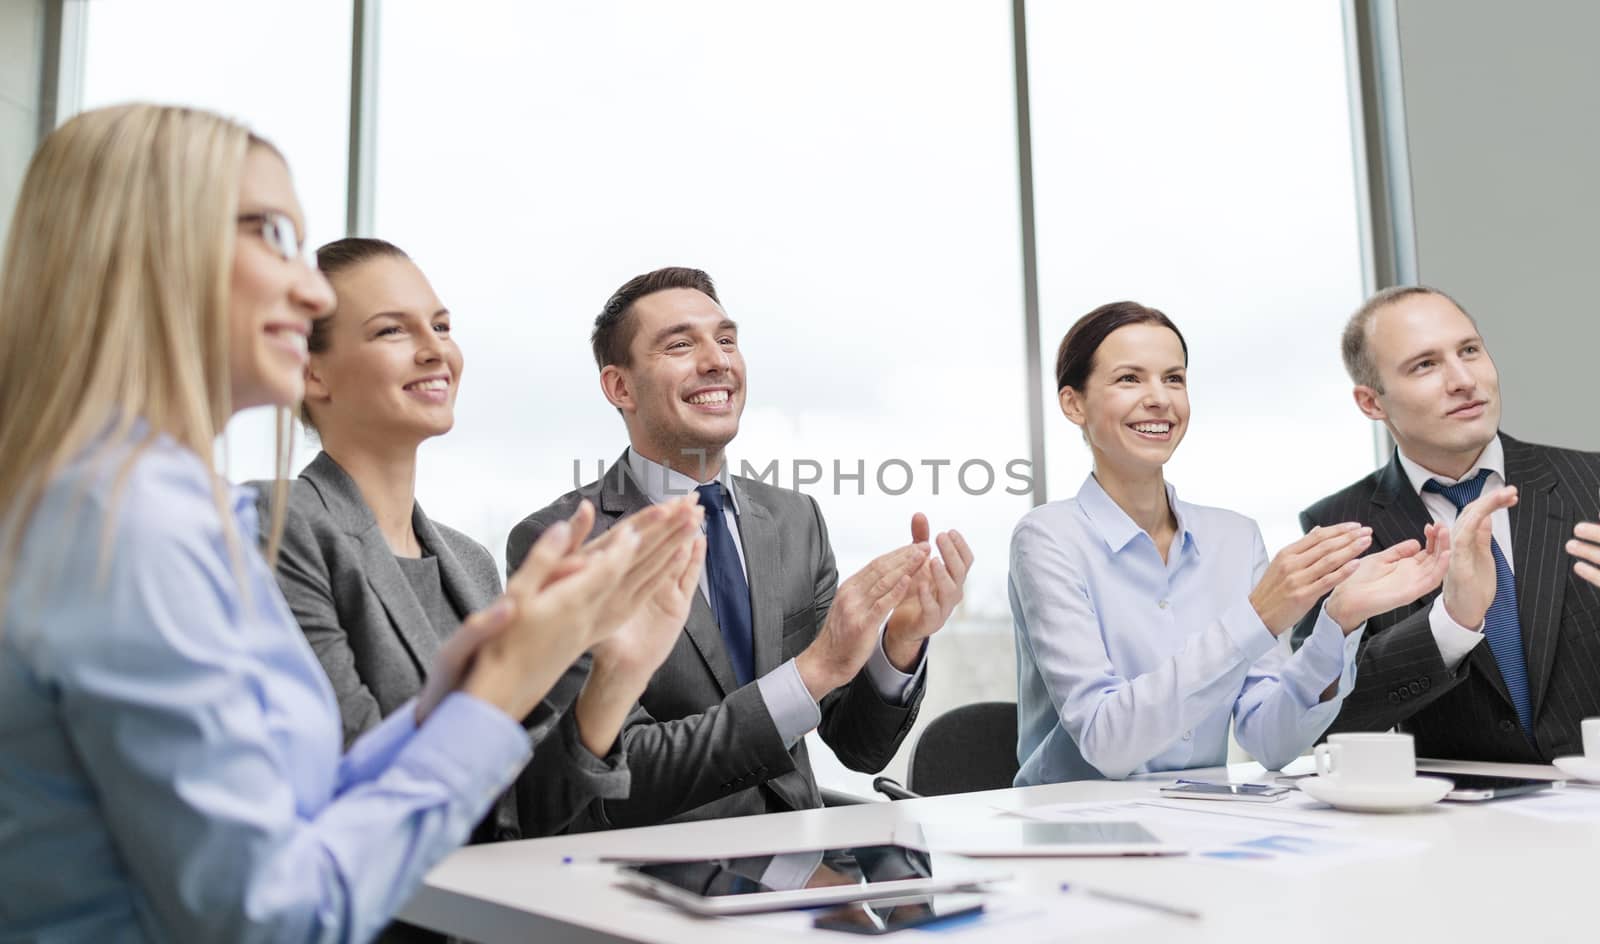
(730, 594)
(1500, 625)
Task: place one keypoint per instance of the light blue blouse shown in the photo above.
(1127, 664)
(170, 765)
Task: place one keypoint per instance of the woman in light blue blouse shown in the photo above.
(171, 748)
(1145, 623)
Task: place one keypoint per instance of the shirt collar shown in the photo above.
(661, 483)
(1114, 526)
(1492, 458)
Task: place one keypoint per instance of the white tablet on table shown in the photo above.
(1020, 838)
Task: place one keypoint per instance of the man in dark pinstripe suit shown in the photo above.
(1503, 661)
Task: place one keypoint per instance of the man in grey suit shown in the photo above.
(1503, 662)
(774, 645)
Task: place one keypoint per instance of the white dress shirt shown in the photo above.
(794, 712)
(1130, 664)
(1456, 641)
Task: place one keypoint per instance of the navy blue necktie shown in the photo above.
(1501, 628)
(730, 594)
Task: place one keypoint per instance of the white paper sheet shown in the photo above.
(1562, 806)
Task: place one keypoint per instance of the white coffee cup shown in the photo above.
(1369, 759)
(1591, 739)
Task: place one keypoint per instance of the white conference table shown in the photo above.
(1486, 874)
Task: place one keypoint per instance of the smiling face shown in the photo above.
(1441, 392)
(682, 390)
(272, 300)
(1134, 405)
(390, 370)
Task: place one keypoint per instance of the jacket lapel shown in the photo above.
(1398, 514)
(1538, 526)
(621, 496)
(466, 593)
(350, 512)
(758, 533)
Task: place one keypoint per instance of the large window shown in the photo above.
(281, 68)
(1198, 158)
(845, 171)
(848, 173)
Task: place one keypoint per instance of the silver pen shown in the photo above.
(1133, 900)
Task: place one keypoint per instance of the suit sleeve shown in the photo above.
(1399, 670)
(861, 727)
(303, 576)
(687, 762)
(560, 790)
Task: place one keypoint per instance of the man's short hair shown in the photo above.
(1358, 361)
(614, 329)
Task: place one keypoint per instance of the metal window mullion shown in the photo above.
(1030, 254)
(362, 171)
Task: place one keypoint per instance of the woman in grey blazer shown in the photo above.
(376, 585)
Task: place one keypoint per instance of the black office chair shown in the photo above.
(973, 747)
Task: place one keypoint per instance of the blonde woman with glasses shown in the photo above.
(170, 747)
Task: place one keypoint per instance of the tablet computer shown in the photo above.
(1471, 787)
(749, 884)
(1019, 837)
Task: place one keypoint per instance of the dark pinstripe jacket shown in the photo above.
(1401, 679)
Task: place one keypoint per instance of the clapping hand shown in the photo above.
(1302, 572)
(1585, 546)
(1470, 580)
(932, 597)
(1391, 578)
(653, 617)
(554, 609)
(862, 603)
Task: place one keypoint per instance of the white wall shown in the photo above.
(1502, 118)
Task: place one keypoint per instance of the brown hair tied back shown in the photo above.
(1075, 357)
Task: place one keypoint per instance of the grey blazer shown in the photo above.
(376, 643)
(699, 745)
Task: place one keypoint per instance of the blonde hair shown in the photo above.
(114, 301)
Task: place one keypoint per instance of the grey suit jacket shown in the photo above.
(699, 745)
(375, 641)
(1401, 679)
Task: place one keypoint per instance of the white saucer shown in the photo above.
(1579, 767)
(1389, 798)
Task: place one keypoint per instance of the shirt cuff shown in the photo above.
(376, 749)
(893, 685)
(1454, 640)
(1329, 654)
(789, 702)
(1249, 635)
(470, 746)
(608, 776)
(1327, 650)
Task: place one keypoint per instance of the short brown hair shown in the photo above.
(614, 330)
(1358, 362)
(1075, 357)
(333, 258)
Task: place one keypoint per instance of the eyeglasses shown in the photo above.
(278, 230)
